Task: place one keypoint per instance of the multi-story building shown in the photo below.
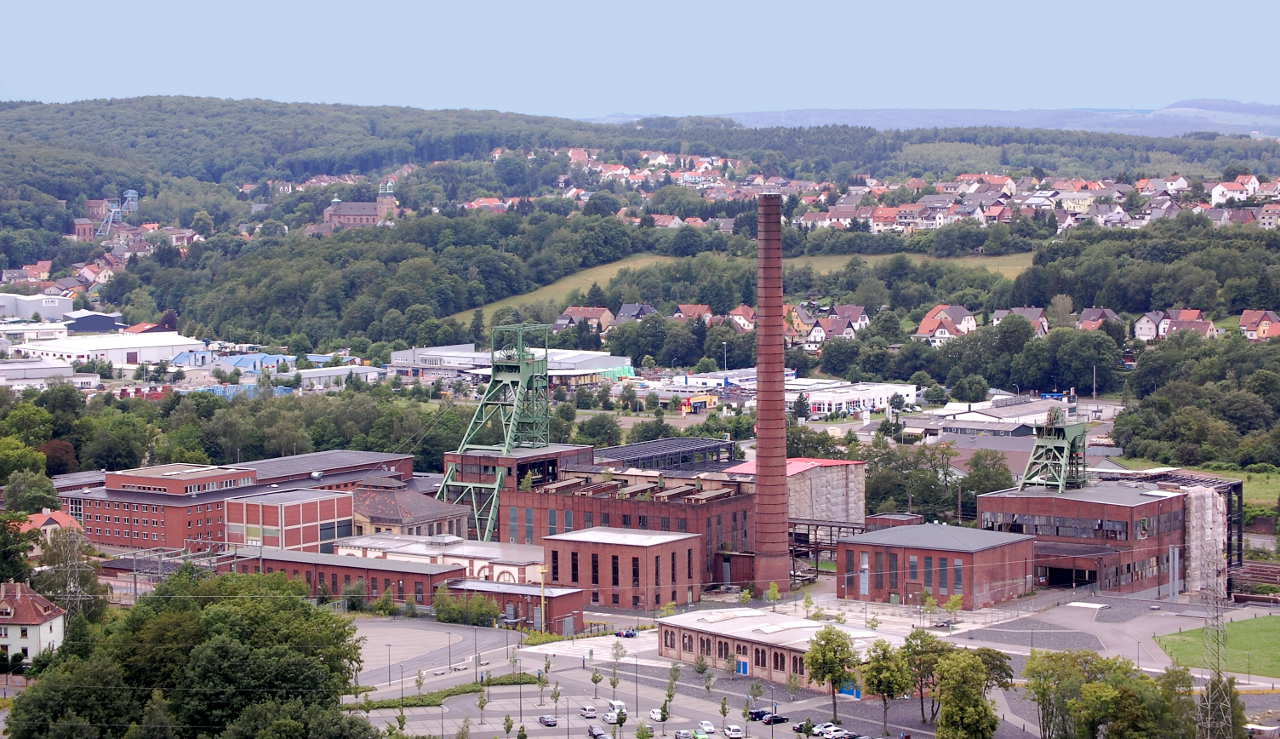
(29, 623)
(303, 519)
(903, 564)
(185, 505)
(626, 568)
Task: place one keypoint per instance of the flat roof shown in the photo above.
(305, 464)
(527, 451)
(621, 537)
(767, 627)
(339, 560)
(297, 495)
(512, 588)
(179, 471)
(654, 447)
(1102, 491)
(105, 342)
(445, 545)
(937, 536)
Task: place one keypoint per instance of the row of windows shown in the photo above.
(613, 568)
(760, 657)
(126, 534)
(329, 582)
(218, 485)
(555, 518)
(887, 569)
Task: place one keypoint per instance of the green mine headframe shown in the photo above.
(1057, 461)
(517, 399)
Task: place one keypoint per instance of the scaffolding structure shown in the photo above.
(518, 402)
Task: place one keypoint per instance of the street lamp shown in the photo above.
(475, 645)
(725, 345)
(388, 663)
(774, 701)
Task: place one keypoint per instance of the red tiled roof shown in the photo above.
(24, 606)
(40, 520)
(140, 328)
(795, 465)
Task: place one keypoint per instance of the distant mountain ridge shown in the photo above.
(1175, 119)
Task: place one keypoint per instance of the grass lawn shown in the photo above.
(1260, 488)
(1009, 265)
(1251, 647)
(556, 291)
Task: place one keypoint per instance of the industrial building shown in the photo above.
(308, 520)
(39, 373)
(903, 564)
(627, 568)
(119, 349)
(753, 643)
(565, 367)
(840, 396)
(48, 307)
(1157, 532)
(184, 505)
(482, 560)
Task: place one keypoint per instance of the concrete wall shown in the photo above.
(830, 493)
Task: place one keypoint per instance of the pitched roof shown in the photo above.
(21, 605)
(852, 312)
(582, 311)
(938, 536)
(693, 310)
(1098, 314)
(402, 506)
(52, 518)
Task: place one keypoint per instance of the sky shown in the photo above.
(588, 59)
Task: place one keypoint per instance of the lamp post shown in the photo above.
(388, 663)
(475, 645)
(637, 706)
(774, 701)
(725, 346)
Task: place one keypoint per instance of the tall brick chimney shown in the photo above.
(772, 552)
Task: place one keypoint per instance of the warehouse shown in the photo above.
(119, 349)
(627, 567)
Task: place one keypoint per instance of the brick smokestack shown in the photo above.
(772, 552)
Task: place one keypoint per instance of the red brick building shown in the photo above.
(182, 505)
(626, 568)
(900, 564)
(523, 604)
(1116, 535)
(290, 519)
(713, 504)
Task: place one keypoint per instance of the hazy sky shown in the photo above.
(652, 56)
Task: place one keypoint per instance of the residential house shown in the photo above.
(692, 312)
(1269, 215)
(1034, 316)
(854, 313)
(599, 319)
(1147, 327)
(826, 329)
(46, 522)
(29, 623)
(743, 318)
(629, 312)
(1259, 325)
(1203, 328)
(661, 220)
(884, 219)
(943, 323)
(1224, 192)
(1249, 183)
(1091, 319)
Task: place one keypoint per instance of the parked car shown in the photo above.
(547, 719)
(684, 734)
(627, 634)
(587, 712)
(822, 728)
(707, 727)
(616, 705)
(595, 732)
(774, 718)
(655, 714)
(611, 717)
(733, 731)
(756, 714)
(799, 728)
(838, 733)
(699, 734)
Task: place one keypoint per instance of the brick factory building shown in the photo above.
(481, 560)
(308, 520)
(522, 604)
(716, 505)
(184, 505)
(752, 642)
(900, 564)
(626, 568)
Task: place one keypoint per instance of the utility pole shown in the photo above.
(1095, 382)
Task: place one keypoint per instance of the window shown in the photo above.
(568, 520)
(626, 520)
(673, 568)
(635, 572)
(797, 664)
(657, 570)
(551, 522)
(879, 573)
(893, 570)
(779, 661)
(758, 658)
(928, 572)
(573, 567)
(604, 519)
(942, 575)
(595, 569)
(688, 563)
(555, 565)
(613, 564)
(913, 568)
(514, 526)
(587, 518)
(528, 526)
(957, 583)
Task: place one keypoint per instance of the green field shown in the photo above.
(1009, 265)
(1260, 488)
(556, 291)
(1251, 647)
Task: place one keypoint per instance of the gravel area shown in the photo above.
(1028, 632)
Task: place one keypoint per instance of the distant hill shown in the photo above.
(1176, 119)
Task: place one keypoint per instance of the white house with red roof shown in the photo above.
(1225, 192)
(46, 522)
(943, 323)
(1259, 325)
(29, 623)
(692, 312)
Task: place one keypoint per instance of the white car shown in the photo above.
(655, 714)
(611, 717)
(838, 733)
(733, 731)
(822, 728)
(707, 727)
(587, 712)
